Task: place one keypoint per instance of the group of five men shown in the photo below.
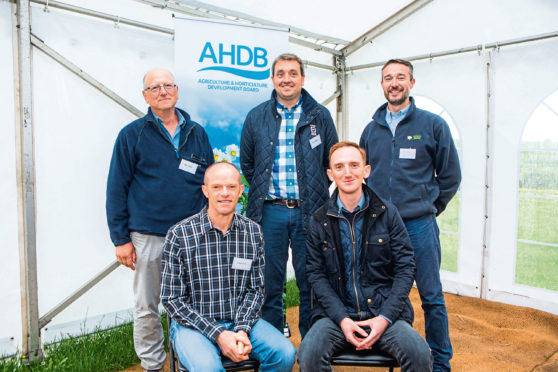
(220, 275)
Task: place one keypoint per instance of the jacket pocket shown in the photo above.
(198, 159)
(330, 258)
(378, 250)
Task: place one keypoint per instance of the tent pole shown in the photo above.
(379, 29)
(487, 173)
(26, 181)
(85, 76)
(469, 49)
(341, 122)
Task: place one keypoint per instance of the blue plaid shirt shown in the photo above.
(199, 287)
(284, 184)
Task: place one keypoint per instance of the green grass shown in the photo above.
(537, 266)
(292, 298)
(450, 247)
(449, 221)
(537, 219)
(103, 350)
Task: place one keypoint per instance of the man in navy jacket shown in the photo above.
(414, 164)
(361, 267)
(155, 179)
(283, 154)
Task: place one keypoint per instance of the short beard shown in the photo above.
(398, 101)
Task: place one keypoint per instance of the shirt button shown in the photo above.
(380, 240)
(374, 215)
(383, 207)
(369, 300)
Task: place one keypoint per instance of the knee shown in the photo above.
(203, 365)
(287, 355)
(309, 355)
(416, 353)
(282, 356)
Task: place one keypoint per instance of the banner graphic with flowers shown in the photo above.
(223, 70)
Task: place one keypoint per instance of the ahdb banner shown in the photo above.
(223, 70)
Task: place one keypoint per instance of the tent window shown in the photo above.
(537, 236)
(449, 220)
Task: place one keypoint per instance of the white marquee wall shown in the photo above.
(75, 128)
(10, 314)
(521, 77)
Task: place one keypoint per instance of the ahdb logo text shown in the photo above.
(236, 55)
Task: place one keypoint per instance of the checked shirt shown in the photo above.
(284, 184)
(199, 286)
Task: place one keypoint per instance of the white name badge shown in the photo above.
(407, 153)
(241, 264)
(315, 141)
(188, 166)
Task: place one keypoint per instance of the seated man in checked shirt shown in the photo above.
(212, 284)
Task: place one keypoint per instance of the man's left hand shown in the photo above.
(377, 327)
(243, 343)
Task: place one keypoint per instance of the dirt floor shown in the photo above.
(486, 336)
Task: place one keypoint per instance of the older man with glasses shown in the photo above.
(155, 179)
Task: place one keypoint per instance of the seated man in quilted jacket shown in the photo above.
(360, 266)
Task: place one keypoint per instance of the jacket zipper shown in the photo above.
(354, 257)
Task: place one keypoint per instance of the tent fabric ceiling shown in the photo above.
(346, 20)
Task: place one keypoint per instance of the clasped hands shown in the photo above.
(235, 345)
(356, 335)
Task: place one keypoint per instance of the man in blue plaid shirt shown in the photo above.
(212, 284)
(284, 151)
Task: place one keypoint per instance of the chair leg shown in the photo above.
(172, 357)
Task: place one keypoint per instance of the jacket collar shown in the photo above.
(185, 129)
(308, 102)
(152, 118)
(380, 114)
(372, 203)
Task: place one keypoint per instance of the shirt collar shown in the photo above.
(207, 225)
(283, 108)
(181, 120)
(401, 113)
(357, 208)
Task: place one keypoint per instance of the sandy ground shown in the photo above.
(486, 336)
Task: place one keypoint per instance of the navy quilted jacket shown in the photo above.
(257, 154)
(387, 262)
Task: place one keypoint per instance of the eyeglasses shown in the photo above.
(156, 89)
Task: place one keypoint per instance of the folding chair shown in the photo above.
(364, 358)
(360, 358)
(229, 365)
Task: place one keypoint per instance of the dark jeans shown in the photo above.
(425, 239)
(281, 226)
(400, 340)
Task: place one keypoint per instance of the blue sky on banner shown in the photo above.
(223, 71)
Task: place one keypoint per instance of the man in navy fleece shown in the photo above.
(414, 165)
(155, 179)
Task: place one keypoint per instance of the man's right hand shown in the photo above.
(349, 328)
(227, 343)
(126, 255)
